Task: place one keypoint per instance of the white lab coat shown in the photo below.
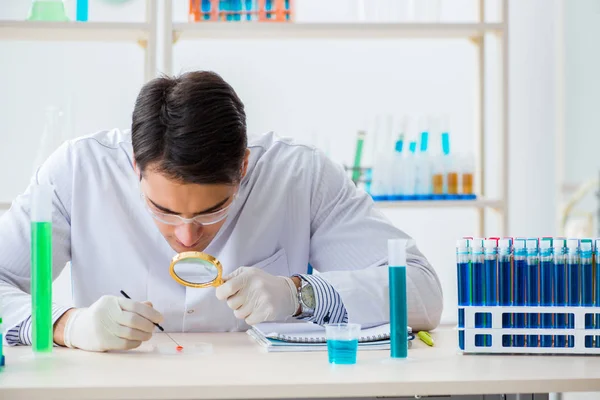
(294, 207)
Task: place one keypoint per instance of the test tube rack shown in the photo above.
(577, 334)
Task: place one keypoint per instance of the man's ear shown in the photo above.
(245, 163)
(137, 171)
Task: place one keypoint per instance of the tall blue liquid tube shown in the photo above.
(596, 267)
(464, 285)
(532, 297)
(490, 251)
(520, 288)
(587, 285)
(398, 300)
(505, 285)
(478, 271)
(547, 284)
(573, 283)
(560, 289)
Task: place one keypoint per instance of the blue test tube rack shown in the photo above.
(539, 324)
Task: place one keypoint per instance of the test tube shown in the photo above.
(596, 260)
(491, 279)
(560, 289)
(464, 285)
(41, 268)
(505, 285)
(587, 285)
(397, 298)
(478, 270)
(1, 349)
(547, 283)
(533, 289)
(520, 287)
(573, 282)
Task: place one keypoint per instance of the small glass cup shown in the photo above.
(342, 342)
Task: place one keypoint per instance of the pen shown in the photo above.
(425, 338)
(157, 325)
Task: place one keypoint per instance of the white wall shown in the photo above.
(299, 88)
(582, 95)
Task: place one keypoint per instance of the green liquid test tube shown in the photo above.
(41, 268)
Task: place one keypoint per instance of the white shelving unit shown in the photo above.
(159, 34)
(282, 30)
(475, 32)
(142, 33)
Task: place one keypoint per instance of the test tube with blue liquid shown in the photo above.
(560, 289)
(596, 260)
(573, 283)
(505, 285)
(477, 268)
(491, 279)
(397, 298)
(547, 283)
(520, 287)
(464, 285)
(533, 289)
(587, 285)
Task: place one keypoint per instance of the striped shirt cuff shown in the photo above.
(329, 308)
(21, 334)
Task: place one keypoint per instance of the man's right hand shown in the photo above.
(111, 323)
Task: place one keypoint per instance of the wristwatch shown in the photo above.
(306, 299)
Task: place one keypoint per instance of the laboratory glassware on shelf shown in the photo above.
(404, 170)
(529, 295)
(241, 10)
(47, 10)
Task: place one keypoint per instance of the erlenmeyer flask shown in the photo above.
(47, 10)
(52, 136)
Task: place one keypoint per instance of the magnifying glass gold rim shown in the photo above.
(203, 256)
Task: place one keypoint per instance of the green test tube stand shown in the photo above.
(41, 268)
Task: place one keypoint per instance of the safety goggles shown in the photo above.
(176, 220)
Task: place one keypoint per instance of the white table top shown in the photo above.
(239, 368)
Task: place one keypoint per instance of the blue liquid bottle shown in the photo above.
(533, 289)
(560, 289)
(463, 270)
(587, 285)
(573, 283)
(478, 288)
(520, 287)
(505, 285)
(547, 284)
(398, 300)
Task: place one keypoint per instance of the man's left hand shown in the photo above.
(256, 296)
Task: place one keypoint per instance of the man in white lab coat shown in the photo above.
(186, 178)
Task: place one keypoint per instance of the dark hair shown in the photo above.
(191, 128)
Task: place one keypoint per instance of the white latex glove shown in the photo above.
(111, 323)
(256, 296)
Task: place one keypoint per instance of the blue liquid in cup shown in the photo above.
(342, 351)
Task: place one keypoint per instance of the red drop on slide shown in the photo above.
(179, 348)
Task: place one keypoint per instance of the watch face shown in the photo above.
(308, 296)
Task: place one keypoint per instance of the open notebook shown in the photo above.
(306, 336)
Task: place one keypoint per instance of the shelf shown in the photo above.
(287, 30)
(479, 203)
(73, 31)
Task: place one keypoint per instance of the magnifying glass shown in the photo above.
(196, 269)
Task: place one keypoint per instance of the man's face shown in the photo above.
(167, 200)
